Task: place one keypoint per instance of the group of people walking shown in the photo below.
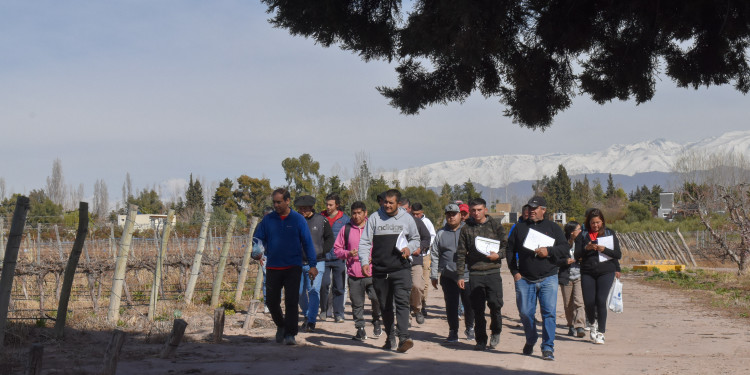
(389, 255)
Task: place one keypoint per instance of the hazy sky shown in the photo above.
(162, 89)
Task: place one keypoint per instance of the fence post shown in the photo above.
(687, 249)
(178, 331)
(2, 239)
(218, 325)
(216, 291)
(11, 257)
(113, 314)
(113, 353)
(252, 312)
(159, 262)
(245, 261)
(61, 255)
(195, 269)
(70, 269)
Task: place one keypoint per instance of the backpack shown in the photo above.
(347, 229)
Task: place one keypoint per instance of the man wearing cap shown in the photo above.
(322, 237)
(485, 284)
(464, 211)
(285, 235)
(535, 274)
(443, 254)
(390, 268)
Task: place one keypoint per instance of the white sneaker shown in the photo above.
(593, 333)
(599, 339)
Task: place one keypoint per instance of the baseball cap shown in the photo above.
(304, 200)
(463, 207)
(452, 208)
(537, 201)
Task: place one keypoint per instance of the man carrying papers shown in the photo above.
(539, 243)
(481, 250)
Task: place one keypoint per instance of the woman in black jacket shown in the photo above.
(599, 251)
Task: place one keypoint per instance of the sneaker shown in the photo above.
(361, 334)
(405, 345)
(289, 340)
(304, 324)
(595, 325)
(528, 349)
(599, 339)
(390, 343)
(310, 327)
(480, 346)
(322, 316)
(452, 337)
(339, 319)
(571, 331)
(494, 340)
(279, 335)
(377, 329)
(469, 332)
(592, 333)
(265, 309)
(424, 311)
(580, 332)
(420, 318)
(547, 355)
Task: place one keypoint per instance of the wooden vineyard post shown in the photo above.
(113, 314)
(178, 331)
(112, 355)
(218, 325)
(252, 312)
(34, 365)
(216, 290)
(62, 259)
(687, 249)
(159, 263)
(2, 239)
(195, 269)
(40, 276)
(70, 269)
(11, 257)
(245, 261)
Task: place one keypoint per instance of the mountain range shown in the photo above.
(632, 165)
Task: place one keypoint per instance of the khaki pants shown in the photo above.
(417, 288)
(573, 302)
(426, 276)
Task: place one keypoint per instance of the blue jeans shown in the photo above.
(527, 294)
(309, 293)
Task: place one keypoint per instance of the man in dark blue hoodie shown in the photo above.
(335, 270)
(285, 234)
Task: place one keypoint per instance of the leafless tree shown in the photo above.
(718, 185)
(56, 189)
(2, 188)
(101, 199)
(75, 196)
(360, 184)
(127, 189)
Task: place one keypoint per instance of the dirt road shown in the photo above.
(660, 332)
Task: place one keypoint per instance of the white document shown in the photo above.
(536, 239)
(401, 243)
(609, 243)
(486, 245)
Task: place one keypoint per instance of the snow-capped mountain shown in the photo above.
(498, 171)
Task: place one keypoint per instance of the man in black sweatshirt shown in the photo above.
(535, 274)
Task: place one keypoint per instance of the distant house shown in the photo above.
(666, 205)
(146, 221)
(559, 217)
(501, 212)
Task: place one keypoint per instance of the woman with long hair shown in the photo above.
(599, 250)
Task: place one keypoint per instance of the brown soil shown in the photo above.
(661, 332)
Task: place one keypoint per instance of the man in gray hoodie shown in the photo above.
(443, 253)
(391, 268)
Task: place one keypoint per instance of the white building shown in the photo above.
(666, 205)
(146, 221)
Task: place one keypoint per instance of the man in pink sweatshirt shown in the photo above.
(346, 247)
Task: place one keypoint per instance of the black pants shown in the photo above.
(451, 294)
(336, 272)
(595, 290)
(486, 289)
(390, 288)
(288, 279)
(358, 287)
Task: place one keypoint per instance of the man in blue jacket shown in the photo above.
(285, 234)
(335, 270)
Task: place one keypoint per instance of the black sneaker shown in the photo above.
(303, 326)
(390, 343)
(480, 346)
(377, 329)
(469, 332)
(571, 331)
(547, 355)
(339, 319)
(494, 340)
(361, 335)
(580, 332)
(279, 335)
(452, 337)
(405, 345)
(310, 327)
(528, 349)
(424, 312)
(420, 318)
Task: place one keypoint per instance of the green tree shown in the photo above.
(376, 187)
(42, 209)
(301, 175)
(429, 199)
(558, 194)
(469, 192)
(610, 187)
(194, 195)
(523, 51)
(148, 202)
(253, 194)
(224, 196)
(597, 192)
